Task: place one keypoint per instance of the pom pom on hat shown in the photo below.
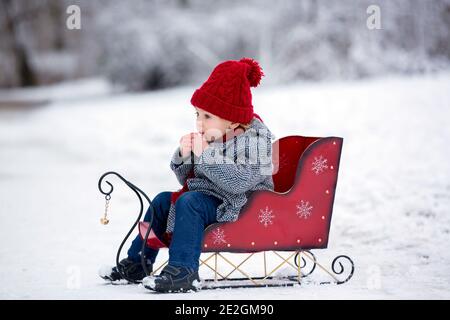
(254, 73)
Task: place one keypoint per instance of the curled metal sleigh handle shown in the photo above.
(138, 193)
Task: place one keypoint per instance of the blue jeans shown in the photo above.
(194, 212)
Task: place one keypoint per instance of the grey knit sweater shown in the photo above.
(228, 170)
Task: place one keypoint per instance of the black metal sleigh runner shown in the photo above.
(295, 218)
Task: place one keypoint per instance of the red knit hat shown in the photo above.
(227, 93)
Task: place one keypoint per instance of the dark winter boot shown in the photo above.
(132, 270)
(173, 279)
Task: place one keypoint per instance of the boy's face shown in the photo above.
(211, 126)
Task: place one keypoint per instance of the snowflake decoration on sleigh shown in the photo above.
(319, 164)
(266, 216)
(219, 236)
(304, 209)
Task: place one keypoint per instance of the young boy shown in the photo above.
(219, 167)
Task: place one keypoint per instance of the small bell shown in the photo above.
(104, 221)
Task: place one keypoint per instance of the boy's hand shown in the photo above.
(186, 144)
(199, 144)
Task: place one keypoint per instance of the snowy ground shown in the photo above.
(391, 212)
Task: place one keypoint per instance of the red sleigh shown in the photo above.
(294, 218)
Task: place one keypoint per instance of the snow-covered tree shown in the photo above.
(150, 44)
